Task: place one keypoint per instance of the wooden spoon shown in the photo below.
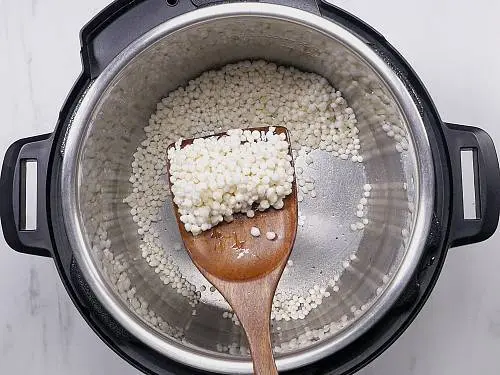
(246, 269)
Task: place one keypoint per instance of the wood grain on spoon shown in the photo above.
(246, 269)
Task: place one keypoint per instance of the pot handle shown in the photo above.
(13, 193)
(487, 184)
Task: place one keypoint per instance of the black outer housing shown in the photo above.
(124, 21)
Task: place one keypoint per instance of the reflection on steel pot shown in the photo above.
(135, 54)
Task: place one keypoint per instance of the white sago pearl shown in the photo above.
(254, 231)
(270, 236)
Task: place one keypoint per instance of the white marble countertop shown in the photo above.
(453, 46)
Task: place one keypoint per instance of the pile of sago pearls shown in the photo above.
(214, 178)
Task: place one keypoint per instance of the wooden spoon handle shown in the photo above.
(261, 349)
(259, 339)
(253, 308)
(252, 302)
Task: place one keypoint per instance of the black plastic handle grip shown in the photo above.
(487, 178)
(37, 241)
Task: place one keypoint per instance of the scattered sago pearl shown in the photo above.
(254, 231)
(270, 236)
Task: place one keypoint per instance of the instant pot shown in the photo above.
(136, 52)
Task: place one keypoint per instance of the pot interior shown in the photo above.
(354, 267)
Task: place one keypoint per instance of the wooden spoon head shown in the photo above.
(229, 251)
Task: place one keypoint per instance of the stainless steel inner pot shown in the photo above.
(108, 124)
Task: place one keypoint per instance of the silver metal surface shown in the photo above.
(108, 126)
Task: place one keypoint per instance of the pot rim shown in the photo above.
(77, 132)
